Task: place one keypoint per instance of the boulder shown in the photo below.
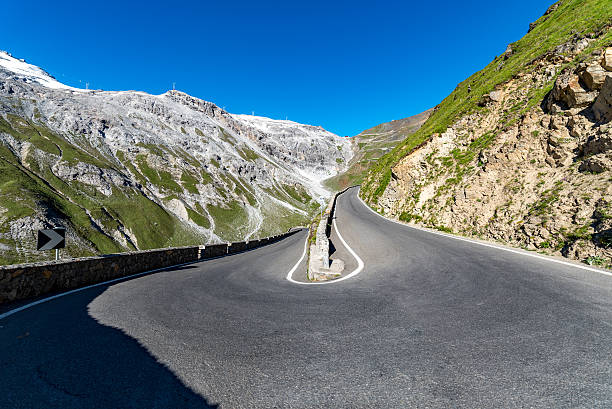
(569, 92)
(598, 144)
(597, 164)
(491, 97)
(496, 96)
(593, 76)
(607, 59)
(602, 108)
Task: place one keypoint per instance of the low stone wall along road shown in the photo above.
(431, 321)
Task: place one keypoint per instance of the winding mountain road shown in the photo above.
(430, 321)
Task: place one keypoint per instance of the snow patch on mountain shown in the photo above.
(30, 73)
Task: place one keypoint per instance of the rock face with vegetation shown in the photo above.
(373, 143)
(129, 170)
(520, 152)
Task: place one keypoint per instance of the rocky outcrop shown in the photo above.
(568, 92)
(541, 179)
(607, 59)
(491, 97)
(593, 75)
(550, 10)
(602, 109)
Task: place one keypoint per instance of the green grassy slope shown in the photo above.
(572, 17)
(148, 186)
(32, 188)
(373, 143)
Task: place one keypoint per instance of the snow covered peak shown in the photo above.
(29, 72)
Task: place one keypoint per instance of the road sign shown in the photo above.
(51, 239)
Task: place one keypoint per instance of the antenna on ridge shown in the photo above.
(253, 113)
(87, 85)
(173, 86)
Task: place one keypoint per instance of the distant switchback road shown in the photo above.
(431, 321)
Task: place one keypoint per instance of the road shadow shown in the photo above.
(55, 355)
(332, 248)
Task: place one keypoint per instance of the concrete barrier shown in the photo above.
(236, 247)
(251, 244)
(213, 250)
(22, 281)
(34, 279)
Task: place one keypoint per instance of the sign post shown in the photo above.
(52, 239)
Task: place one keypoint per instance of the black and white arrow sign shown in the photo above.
(51, 239)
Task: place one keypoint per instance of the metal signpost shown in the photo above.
(52, 239)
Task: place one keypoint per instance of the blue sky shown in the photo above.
(343, 65)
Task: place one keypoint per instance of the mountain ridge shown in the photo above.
(96, 160)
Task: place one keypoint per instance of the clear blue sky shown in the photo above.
(343, 65)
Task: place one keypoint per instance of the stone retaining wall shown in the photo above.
(22, 281)
(319, 268)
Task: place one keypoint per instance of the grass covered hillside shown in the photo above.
(521, 151)
(564, 21)
(373, 143)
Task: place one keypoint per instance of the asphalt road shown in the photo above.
(431, 321)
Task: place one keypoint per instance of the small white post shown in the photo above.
(56, 254)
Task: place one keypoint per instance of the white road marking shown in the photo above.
(290, 273)
(499, 247)
(353, 273)
(76, 290)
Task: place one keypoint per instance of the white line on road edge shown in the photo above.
(499, 247)
(290, 273)
(76, 290)
(360, 264)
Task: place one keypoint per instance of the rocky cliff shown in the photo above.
(521, 152)
(128, 170)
